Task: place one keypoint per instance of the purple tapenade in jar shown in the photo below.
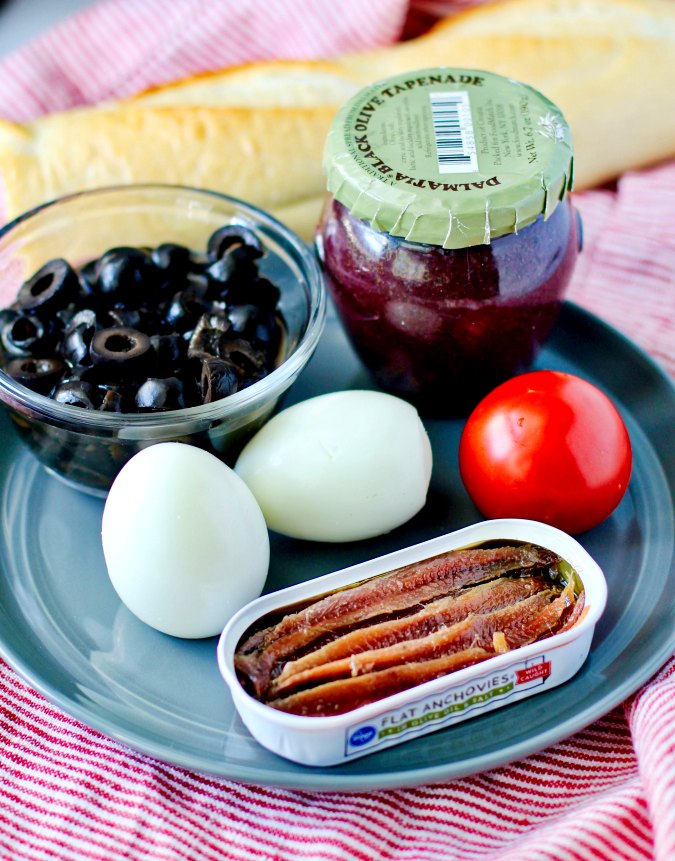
(449, 239)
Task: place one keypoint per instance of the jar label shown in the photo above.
(445, 156)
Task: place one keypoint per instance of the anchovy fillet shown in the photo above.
(519, 623)
(338, 697)
(396, 591)
(484, 598)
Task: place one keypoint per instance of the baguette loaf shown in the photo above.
(257, 131)
(270, 157)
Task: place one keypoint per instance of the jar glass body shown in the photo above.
(443, 327)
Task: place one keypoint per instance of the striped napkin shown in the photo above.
(68, 792)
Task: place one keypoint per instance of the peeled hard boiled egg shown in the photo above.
(184, 540)
(339, 467)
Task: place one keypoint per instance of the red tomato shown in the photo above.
(546, 446)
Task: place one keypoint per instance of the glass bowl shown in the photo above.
(87, 448)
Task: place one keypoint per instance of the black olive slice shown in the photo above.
(219, 379)
(7, 315)
(40, 375)
(254, 323)
(75, 345)
(126, 274)
(82, 372)
(121, 350)
(129, 317)
(170, 352)
(232, 237)
(177, 259)
(160, 394)
(87, 276)
(76, 393)
(64, 315)
(77, 337)
(222, 269)
(22, 335)
(114, 400)
(264, 293)
(208, 335)
(259, 291)
(247, 359)
(84, 317)
(52, 287)
(187, 305)
(170, 255)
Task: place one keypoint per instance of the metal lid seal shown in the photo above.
(449, 157)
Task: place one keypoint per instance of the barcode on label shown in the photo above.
(453, 130)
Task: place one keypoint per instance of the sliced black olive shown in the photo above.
(195, 291)
(22, 335)
(264, 293)
(53, 286)
(87, 276)
(208, 335)
(40, 375)
(243, 318)
(170, 352)
(65, 315)
(187, 305)
(7, 315)
(170, 255)
(190, 373)
(76, 393)
(122, 351)
(176, 317)
(257, 291)
(160, 394)
(235, 268)
(123, 317)
(253, 322)
(177, 260)
(86, 317)
(233, 237)
(145, 319)
(219, 379)
(126, 274)
(248, 359)
(222, 269)
(75, 346)
(86, 373)
(114, 400)
(77, 337)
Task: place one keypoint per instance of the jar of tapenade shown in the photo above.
(449, 237)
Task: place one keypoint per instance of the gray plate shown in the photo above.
(64, 630)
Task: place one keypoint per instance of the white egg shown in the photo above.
(339, 467)
(184, 540)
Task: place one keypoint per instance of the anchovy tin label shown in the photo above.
(454, 704)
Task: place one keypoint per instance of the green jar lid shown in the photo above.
(449, 157)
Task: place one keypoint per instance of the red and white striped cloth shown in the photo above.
(67, 792)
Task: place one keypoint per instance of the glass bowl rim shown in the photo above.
(45, 407)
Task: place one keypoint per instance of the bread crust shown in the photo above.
(271, 158)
